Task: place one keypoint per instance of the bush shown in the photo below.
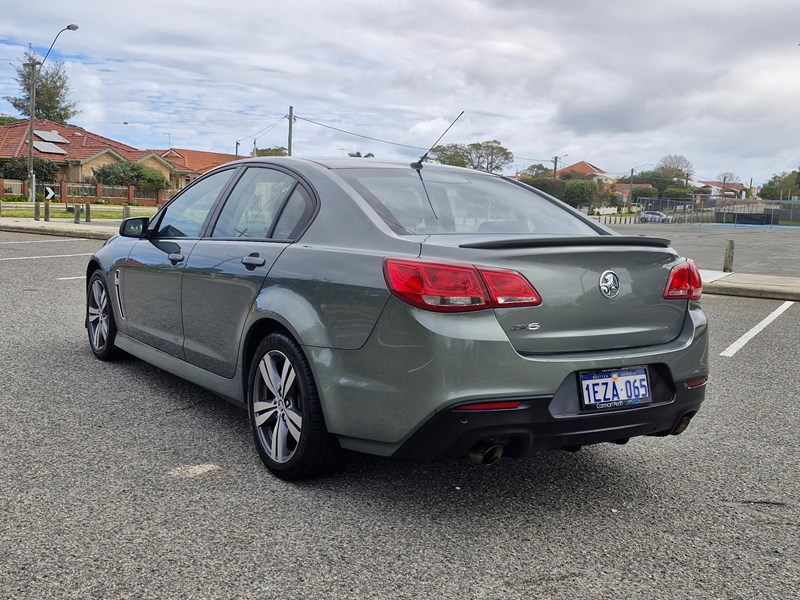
(17, 168)
(15, 198)
(579, 192)
(128, 173)
(554, 187)
(674, 192)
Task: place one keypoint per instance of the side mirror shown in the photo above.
(134, 227)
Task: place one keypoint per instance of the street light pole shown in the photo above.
(34, 73)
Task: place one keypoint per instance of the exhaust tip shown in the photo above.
(485, 453)
(681, 426)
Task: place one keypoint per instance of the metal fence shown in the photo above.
(713, 209)
(83, 192)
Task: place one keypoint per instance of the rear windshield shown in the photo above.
(459, 203)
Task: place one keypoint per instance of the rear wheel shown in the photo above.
(100, 322)
(285, 412)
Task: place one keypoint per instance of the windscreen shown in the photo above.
(460, 203)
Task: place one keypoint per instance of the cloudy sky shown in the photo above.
(618, 84)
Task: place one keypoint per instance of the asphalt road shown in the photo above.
(120, 481)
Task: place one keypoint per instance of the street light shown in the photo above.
(34, 73)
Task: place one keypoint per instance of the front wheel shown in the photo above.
(285, 412)
(100, 322)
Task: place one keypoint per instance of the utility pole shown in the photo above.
(237, 149)
(555, 166)
(31, 175)
(291, 122)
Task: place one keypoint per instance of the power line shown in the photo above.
(266, 129)
(366, 137)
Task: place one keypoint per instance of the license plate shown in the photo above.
(615, 388)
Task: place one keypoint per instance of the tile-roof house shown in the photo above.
(731, 189)
(78, 152)
(190, 164)
(582, 168)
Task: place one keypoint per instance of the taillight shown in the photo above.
(684, 282)
(456, 288)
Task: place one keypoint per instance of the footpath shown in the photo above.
(714, 282)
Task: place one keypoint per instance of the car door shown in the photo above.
(265, 211)
(150, 283)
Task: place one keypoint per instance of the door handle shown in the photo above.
(252, 261)
(175, 258)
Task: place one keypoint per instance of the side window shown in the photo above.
(294, 215)
(254, 203)
(185, 216)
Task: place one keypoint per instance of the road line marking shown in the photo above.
(740, 343)
(68, 278)
(45, 241)
(52, 256)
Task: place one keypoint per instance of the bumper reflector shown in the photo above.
(501, 405)
(694, 383)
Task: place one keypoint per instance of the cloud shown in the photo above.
(617, 84)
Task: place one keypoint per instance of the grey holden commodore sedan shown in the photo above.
(415, 311)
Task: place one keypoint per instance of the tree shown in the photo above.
(781, 185)
(128, 173)
(548, 185)
(357, 154)
(537, 170)
(676, 166)
(658, 180)
(489, 156)
(17, 168)
(682, 193)
(450, 154)
(52, 91)
(579, 192)
(8, 120)
(271, 151)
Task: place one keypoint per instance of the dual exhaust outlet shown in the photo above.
(487, 452)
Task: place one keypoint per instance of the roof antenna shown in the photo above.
(417, 166)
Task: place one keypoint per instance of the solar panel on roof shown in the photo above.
(50, 136)
(48, 148)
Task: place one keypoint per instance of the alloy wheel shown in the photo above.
(98, 314)
(277, 406)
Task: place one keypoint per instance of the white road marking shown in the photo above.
(740, 343)
(52, 256)
(45, 241)
(68, 278)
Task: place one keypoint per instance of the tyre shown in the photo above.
(285, 412)
(100, 324)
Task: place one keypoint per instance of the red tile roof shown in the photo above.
(81, 144)
(582, 167)
(195, 161)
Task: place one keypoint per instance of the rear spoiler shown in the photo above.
(544, 242)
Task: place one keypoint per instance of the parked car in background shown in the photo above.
(416, 311)
(654, 216)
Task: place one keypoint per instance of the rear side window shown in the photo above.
(460, 203)
(254, 204)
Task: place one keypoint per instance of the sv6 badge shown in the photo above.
(526, 326)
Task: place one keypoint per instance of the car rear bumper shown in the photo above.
(537, 425)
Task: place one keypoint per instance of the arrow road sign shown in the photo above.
(50, 193)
